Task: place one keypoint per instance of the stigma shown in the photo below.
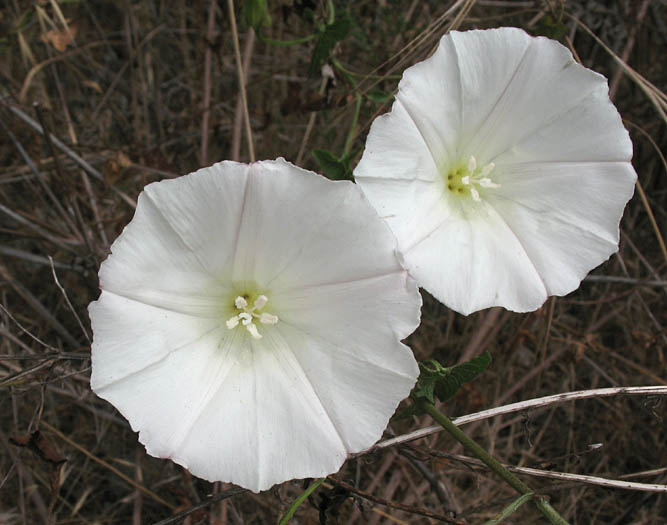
(249, 314)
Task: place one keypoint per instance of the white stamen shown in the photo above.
(240, 303)
(268, 318)
(260, 302)
(488, 183)
(475, 194)
(488, 169)
(248, 315)
(253, 331)
(465, 180)
(472, 164)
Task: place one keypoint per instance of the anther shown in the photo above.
(248, 315)
(260, 302)
(240, 303)
(472, 164)
(253, 331)
(268, 318)
(488, 169)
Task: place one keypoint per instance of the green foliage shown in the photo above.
(379, 95)
(551, 28)
(333, 167)
(327, 36)
(255, 14)
(437, 381)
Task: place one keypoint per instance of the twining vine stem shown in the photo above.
(540, 502)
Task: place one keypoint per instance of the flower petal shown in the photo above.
(481, 263)
(515, 85)
(545, 137)
(430, 93)
(339, 239)
(565, 215)
(205, 211)
(199, 386)
(264, 424)
(355, 389)
(150, 263)
(367, 316)
(239, 406)
(131, 336)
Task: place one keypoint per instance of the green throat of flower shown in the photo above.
(466, 180)
(247, 315)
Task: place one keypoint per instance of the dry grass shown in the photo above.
(144, 91)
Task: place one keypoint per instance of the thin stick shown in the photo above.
(393, 504)
(578, 478)
(207, 83)
(239, 69)
(41, 177)
(238, 111)
(623, 280)
(311, 123)
(69, 303)
(67, 151)
(208, 501)
(651, 218)
(641, 13)
(539, 402)
(106, 465)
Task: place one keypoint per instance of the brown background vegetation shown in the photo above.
(143, 91)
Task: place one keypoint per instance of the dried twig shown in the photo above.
(241, 76)
(394, 505)
(530, 404)
(564, 476)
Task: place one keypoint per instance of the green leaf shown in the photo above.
(333, 167)
(437, 381)
(551, 28)
(326, 40)
(255, 14)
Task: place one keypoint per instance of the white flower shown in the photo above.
(503, 170)
(250, 321)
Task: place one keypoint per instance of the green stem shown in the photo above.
(285, 43)
(298, 501)
(332, 12)
(352, 134)
(364, 76)
(542, 504)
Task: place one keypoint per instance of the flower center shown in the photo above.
(248, 314)
(466, 180)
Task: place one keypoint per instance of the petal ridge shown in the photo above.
(150, 198)
(354, 356)
(500, 97)
(418, 128)
(153, 364)
(552, 119)
(156, 306)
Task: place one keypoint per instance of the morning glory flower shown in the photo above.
(503, 170)
(250, 321)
